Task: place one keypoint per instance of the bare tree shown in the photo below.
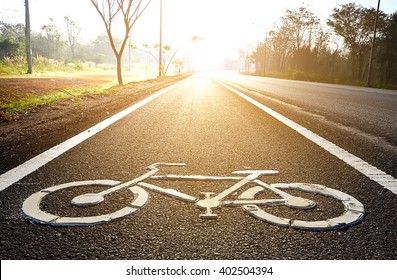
(130, 11)
(73, 31)
(167, 55)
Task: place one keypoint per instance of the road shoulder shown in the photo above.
(46, 126)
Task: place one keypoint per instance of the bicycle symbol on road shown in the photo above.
(353, 209)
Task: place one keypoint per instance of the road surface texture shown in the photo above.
(214, 132)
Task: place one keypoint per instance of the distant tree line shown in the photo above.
(52, 43)
(63, 45)
(300, 47)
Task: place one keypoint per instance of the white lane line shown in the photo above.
(14, 175)
(373, 173)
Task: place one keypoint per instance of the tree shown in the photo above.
(247, 58)
(281, 46)
(102, 51)
(300, 24)
(8, 48)
(354, 24)
(53, 40)
(73, 31)
(259, 56)
(167, 55)
(388, 51)
(178, 64)
(301, 27)
(12, 38)
(130, 11)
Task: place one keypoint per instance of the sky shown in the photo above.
(224, 25)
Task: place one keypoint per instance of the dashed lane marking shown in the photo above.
(372, 172)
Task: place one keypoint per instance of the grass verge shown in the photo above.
(14, 106)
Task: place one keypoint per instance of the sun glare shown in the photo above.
(207, 55)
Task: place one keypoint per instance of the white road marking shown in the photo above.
(14, 175)
(373, 173)
(353, 214)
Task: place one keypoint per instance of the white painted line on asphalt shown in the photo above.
(373, 173)
(14, 175)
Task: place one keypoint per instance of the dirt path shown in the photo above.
(15, 88)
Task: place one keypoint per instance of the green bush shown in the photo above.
(18, 65)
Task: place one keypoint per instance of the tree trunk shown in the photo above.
(119, 76)
(353, 66)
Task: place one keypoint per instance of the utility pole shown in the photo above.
(372, 48)
(129, 51)
(161, 41)
(27, 37)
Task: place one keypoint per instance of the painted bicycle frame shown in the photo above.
(353, 209)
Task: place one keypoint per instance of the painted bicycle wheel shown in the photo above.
(353, 209)
(31, 209)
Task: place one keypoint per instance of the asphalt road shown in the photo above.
(214, 132)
